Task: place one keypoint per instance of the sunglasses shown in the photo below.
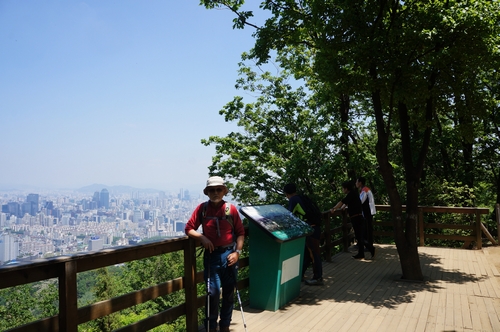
(213, 190)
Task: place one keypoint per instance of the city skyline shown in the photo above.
(37, 225)
(114, 93)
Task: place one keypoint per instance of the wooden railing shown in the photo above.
(337, 233)
(65, 269)
(341, 234)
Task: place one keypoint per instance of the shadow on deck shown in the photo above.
(461, 292)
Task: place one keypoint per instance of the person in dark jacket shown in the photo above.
(355, 211)
(312, 253)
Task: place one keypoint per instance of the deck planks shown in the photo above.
(461, 292)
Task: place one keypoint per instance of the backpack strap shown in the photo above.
(227, 215)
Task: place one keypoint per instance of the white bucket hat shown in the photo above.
(214, 181)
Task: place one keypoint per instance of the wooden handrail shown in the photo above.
(477, 228)
(66, 268)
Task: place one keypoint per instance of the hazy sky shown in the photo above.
(113, 92)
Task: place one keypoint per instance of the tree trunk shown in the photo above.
(413, 161)
(404, 231)
(498, 188)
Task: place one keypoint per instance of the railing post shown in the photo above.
(190, 286)
(421, 226)
(328, 236)
(345, 231)
(68, 298)
(479, 232)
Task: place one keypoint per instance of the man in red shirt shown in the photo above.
(222, 238)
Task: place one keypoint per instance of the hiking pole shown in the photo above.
(207, 315)
(238, 295)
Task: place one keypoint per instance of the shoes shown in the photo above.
(224, 329)
(212, 330)
(314, 282)
(358, 256)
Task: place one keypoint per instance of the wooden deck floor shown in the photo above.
(461, 293)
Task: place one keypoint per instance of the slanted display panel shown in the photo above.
(277, 221)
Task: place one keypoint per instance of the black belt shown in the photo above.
(224, 248)
(356, 215)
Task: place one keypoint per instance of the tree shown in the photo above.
(105, 288)
(152, 271)
(415, 61)
(14, 312)
(288, 136)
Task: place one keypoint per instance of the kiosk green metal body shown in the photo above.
(276, 244)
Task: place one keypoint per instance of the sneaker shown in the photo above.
(315, 282)
(358, 256)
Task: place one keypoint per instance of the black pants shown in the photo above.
(312, 254)
(369, 229)
(359, 225)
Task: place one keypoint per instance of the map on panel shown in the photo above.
(277, 221)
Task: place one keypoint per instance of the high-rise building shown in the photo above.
(96, 199)
(34, 200)
(104, 199)
(14, 209)
(26, 208)
(49, 207)
(138, 216)
(9, 248)
(95, 243)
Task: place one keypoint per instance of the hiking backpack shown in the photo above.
(313, 213)
(227, 216)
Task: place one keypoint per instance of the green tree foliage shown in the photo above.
(27, 303)
(286, 137)
(48, 299)
(86, 282)
(152, 271)
(415, 62)
(105, 288)
(13, 311)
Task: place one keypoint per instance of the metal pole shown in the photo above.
(235, 270)
(207, 315)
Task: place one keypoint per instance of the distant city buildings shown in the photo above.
(95, 243)
(37, 225)
(9, 248)
(104, 199)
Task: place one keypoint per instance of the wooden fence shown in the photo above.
(337, 233)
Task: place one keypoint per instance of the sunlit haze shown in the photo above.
(113, 92)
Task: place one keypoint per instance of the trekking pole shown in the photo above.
(207, 315)
(238, 295)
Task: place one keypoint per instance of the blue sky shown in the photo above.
(113, 92)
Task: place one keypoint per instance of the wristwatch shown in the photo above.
(238, 251)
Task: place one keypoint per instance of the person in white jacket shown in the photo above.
(368, 204)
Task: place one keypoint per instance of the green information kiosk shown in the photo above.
(276, 241)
